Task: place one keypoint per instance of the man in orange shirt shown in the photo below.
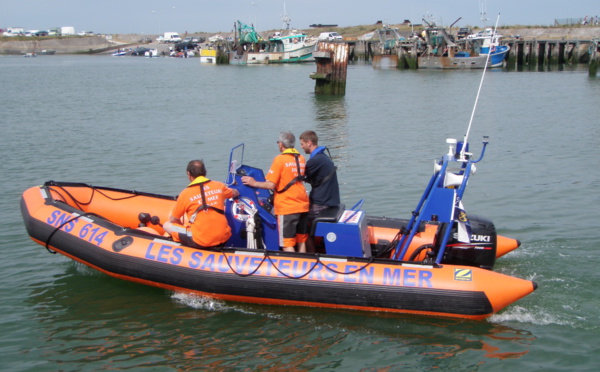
(202, 204)
(291, 200)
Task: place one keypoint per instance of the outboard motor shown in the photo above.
(480, 252)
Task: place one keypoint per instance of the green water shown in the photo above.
(134, 123)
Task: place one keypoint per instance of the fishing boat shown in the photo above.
(151, 53)
(489, 43)
(439, 50)
(119, 53)
(287, 46)
(438, 262)
(208, 55)
(497, 54)
(390, 41)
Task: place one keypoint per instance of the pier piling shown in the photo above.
(594, 57)
(331, 59)
(545, 55)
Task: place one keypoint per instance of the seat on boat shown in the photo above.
(344, 231)
(330, 215)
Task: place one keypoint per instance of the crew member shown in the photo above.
(290, 198)
(202, 205)
(321, 174)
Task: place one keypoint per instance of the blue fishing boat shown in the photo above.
(438, 50)
(497, 54)
(490, 45)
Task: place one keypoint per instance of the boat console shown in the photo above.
(344, 232)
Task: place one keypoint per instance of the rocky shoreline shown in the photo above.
(100, 44)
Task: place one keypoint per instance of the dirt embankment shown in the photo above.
(558, 33)
(87, 44)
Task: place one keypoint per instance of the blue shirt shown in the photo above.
(318, 168)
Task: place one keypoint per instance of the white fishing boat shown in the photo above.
(287, 46)
(151, 53)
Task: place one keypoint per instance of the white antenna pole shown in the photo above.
(285, 18)
(462, 151)
(483, 12)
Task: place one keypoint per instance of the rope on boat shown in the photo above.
(47, 242)
(315, 264)
(266, 256)
(56, 187)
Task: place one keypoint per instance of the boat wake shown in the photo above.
(532, 315)
(200, 302)
(206, 303)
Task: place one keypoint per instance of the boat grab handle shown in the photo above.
(359, 205)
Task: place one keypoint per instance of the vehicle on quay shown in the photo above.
(463, 33)
(330, 36)
(169, 37)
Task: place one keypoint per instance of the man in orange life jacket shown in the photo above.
(202, 204)
(290, 198)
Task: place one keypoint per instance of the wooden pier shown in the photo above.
(534, 55)
(546, 55)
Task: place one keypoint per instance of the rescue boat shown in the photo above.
(439, 262)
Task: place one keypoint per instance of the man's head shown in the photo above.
(309, 141)
(196, 168)
(287, 140)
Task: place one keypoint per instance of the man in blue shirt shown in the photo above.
(322, 176)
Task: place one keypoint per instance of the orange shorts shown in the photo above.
(292, 229)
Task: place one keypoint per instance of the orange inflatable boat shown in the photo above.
(420, 265)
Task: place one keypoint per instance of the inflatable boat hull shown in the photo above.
(102, 233)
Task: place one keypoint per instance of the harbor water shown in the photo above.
(134, 123)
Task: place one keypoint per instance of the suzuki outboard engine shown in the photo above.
(480, 252)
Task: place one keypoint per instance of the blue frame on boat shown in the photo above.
(442, 197)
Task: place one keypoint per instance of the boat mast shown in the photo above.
(286, 20)
(483, 12)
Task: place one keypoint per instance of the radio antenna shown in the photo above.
(487, 60)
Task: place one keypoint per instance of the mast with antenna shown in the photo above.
(286, 20)
(483, 12)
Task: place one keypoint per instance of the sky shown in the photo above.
(151, 17)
